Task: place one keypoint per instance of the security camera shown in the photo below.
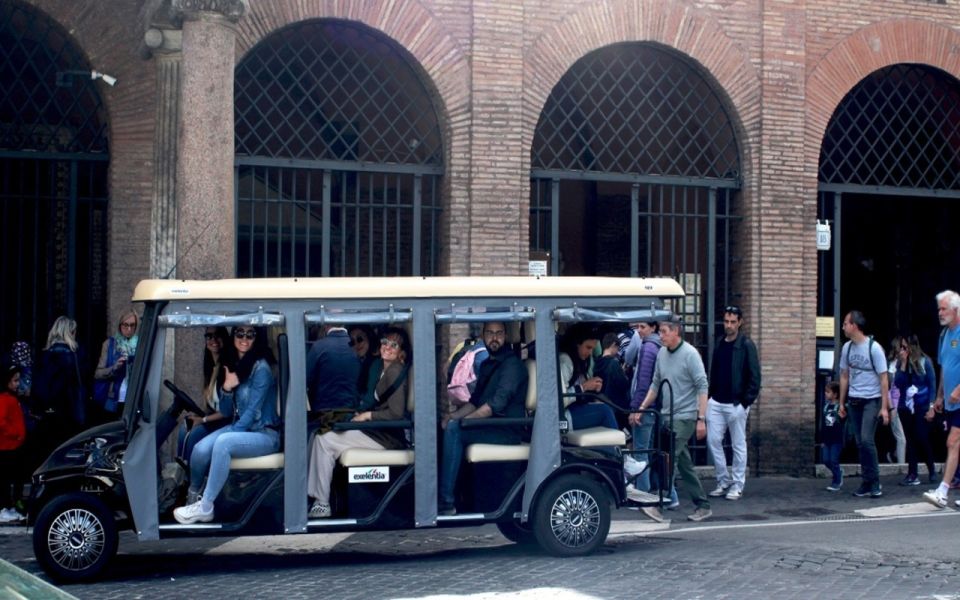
(107, 79)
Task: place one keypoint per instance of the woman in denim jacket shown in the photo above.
(917, 382)
(250, 384)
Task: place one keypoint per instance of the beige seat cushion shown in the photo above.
(364, 457)
(477, 453)
(595, 436)
(270, 461)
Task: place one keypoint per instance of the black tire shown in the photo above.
(74, 537)
(572, 516)
(517, 533)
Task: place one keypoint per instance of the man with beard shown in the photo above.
(948, 392)
(500, 392)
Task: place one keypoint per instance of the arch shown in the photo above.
(678, 26)
(863, 52)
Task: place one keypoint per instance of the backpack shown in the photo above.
(463, 380)
(870, 343)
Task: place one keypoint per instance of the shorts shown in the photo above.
(952, 417)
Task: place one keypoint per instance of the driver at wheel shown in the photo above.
(500, 392)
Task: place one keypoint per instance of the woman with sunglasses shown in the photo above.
(197, 427)
(389, 405)
(249, 385)
(118, 350)
(371, 365)
(917, 383)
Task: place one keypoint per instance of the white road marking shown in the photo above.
(914, 508)
(531, 594)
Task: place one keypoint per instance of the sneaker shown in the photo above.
(633, 467)
(834, 487)
(319, 511)
(863, 491)
(640, 496)
(876, 490)
(935, 499)
(193, 513)
(7, 515)
(652, 512)
(701, 514)
(734, 494)
(910, 480)
(721, 490)
(956, 503)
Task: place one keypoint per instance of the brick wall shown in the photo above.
(782, 66)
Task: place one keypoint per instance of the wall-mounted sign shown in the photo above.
(823, 235)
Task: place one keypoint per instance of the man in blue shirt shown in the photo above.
(948, 392)
(332, 371)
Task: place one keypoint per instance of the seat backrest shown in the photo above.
(531, 401)
(410, 396)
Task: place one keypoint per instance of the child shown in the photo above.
(832, 435)
(12, 435)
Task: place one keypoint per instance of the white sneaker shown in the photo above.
(640, 496)
(934, 498)
(633, 467)
(193, 513)
(7, 515)
(734, 494)
(319, 511)
(721, 490)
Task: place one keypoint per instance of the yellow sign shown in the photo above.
(825, 327)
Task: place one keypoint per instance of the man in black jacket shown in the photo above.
(734, 386)
(501, 391)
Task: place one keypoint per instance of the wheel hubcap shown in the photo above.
(76, 539)
(575, 518)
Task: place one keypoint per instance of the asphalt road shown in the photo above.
(886, 550)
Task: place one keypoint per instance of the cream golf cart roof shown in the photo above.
(403, 287)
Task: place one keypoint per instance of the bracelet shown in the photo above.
(204, 419)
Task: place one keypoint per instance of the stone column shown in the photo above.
(166, 49)
(205, 196)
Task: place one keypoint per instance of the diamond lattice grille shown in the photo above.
(329, 90)
(633, 108)
(38, 111)
(898, 127)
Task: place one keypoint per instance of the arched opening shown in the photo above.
(54, 157)
(339, 156)
(635, 171)
(889, 181)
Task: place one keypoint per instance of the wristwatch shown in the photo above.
(701, 418)
(204, 419)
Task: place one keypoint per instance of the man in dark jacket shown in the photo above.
(734, 386)
(501, 391)
(332, 372)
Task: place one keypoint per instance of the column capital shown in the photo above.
(231, 10)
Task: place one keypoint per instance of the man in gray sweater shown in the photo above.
(681, 365)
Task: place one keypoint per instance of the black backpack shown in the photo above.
(870, 343)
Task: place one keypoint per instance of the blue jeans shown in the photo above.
(863, 414)
(593, 414)
(830, 454)
(187, 438)
(212, 454)
(642, 437)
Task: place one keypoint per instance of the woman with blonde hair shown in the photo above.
(59, 389)
(109, 389)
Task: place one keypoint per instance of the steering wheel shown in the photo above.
(186, 400)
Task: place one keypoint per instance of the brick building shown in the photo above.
(699, 140)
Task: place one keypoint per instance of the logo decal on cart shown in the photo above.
(368, 475)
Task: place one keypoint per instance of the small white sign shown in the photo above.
(368, 475)
(823, 235)
(538, 268)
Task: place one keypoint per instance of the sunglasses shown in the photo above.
(209, 336)
(249, 334)
(390, 344)
(733, 310)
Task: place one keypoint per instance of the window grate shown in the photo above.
(635, 108)
(331, 90)
(899, 127)
(48, 103)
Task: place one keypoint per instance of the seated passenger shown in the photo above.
(576, 376)
(371, 366)
(500, 392)
(332, 371)
(250, 385)
(218, 410)
(390, 399)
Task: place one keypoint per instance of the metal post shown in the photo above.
(711, 270)
(417, 215)
(72, 243)
(837, 317)
(325, 240)
(555, 226)
(634, 233)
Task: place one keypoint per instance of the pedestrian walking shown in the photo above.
(948, 391)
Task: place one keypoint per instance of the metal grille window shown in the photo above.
(53, 181)
(635, 108)
(899, 127)
(339, 156)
